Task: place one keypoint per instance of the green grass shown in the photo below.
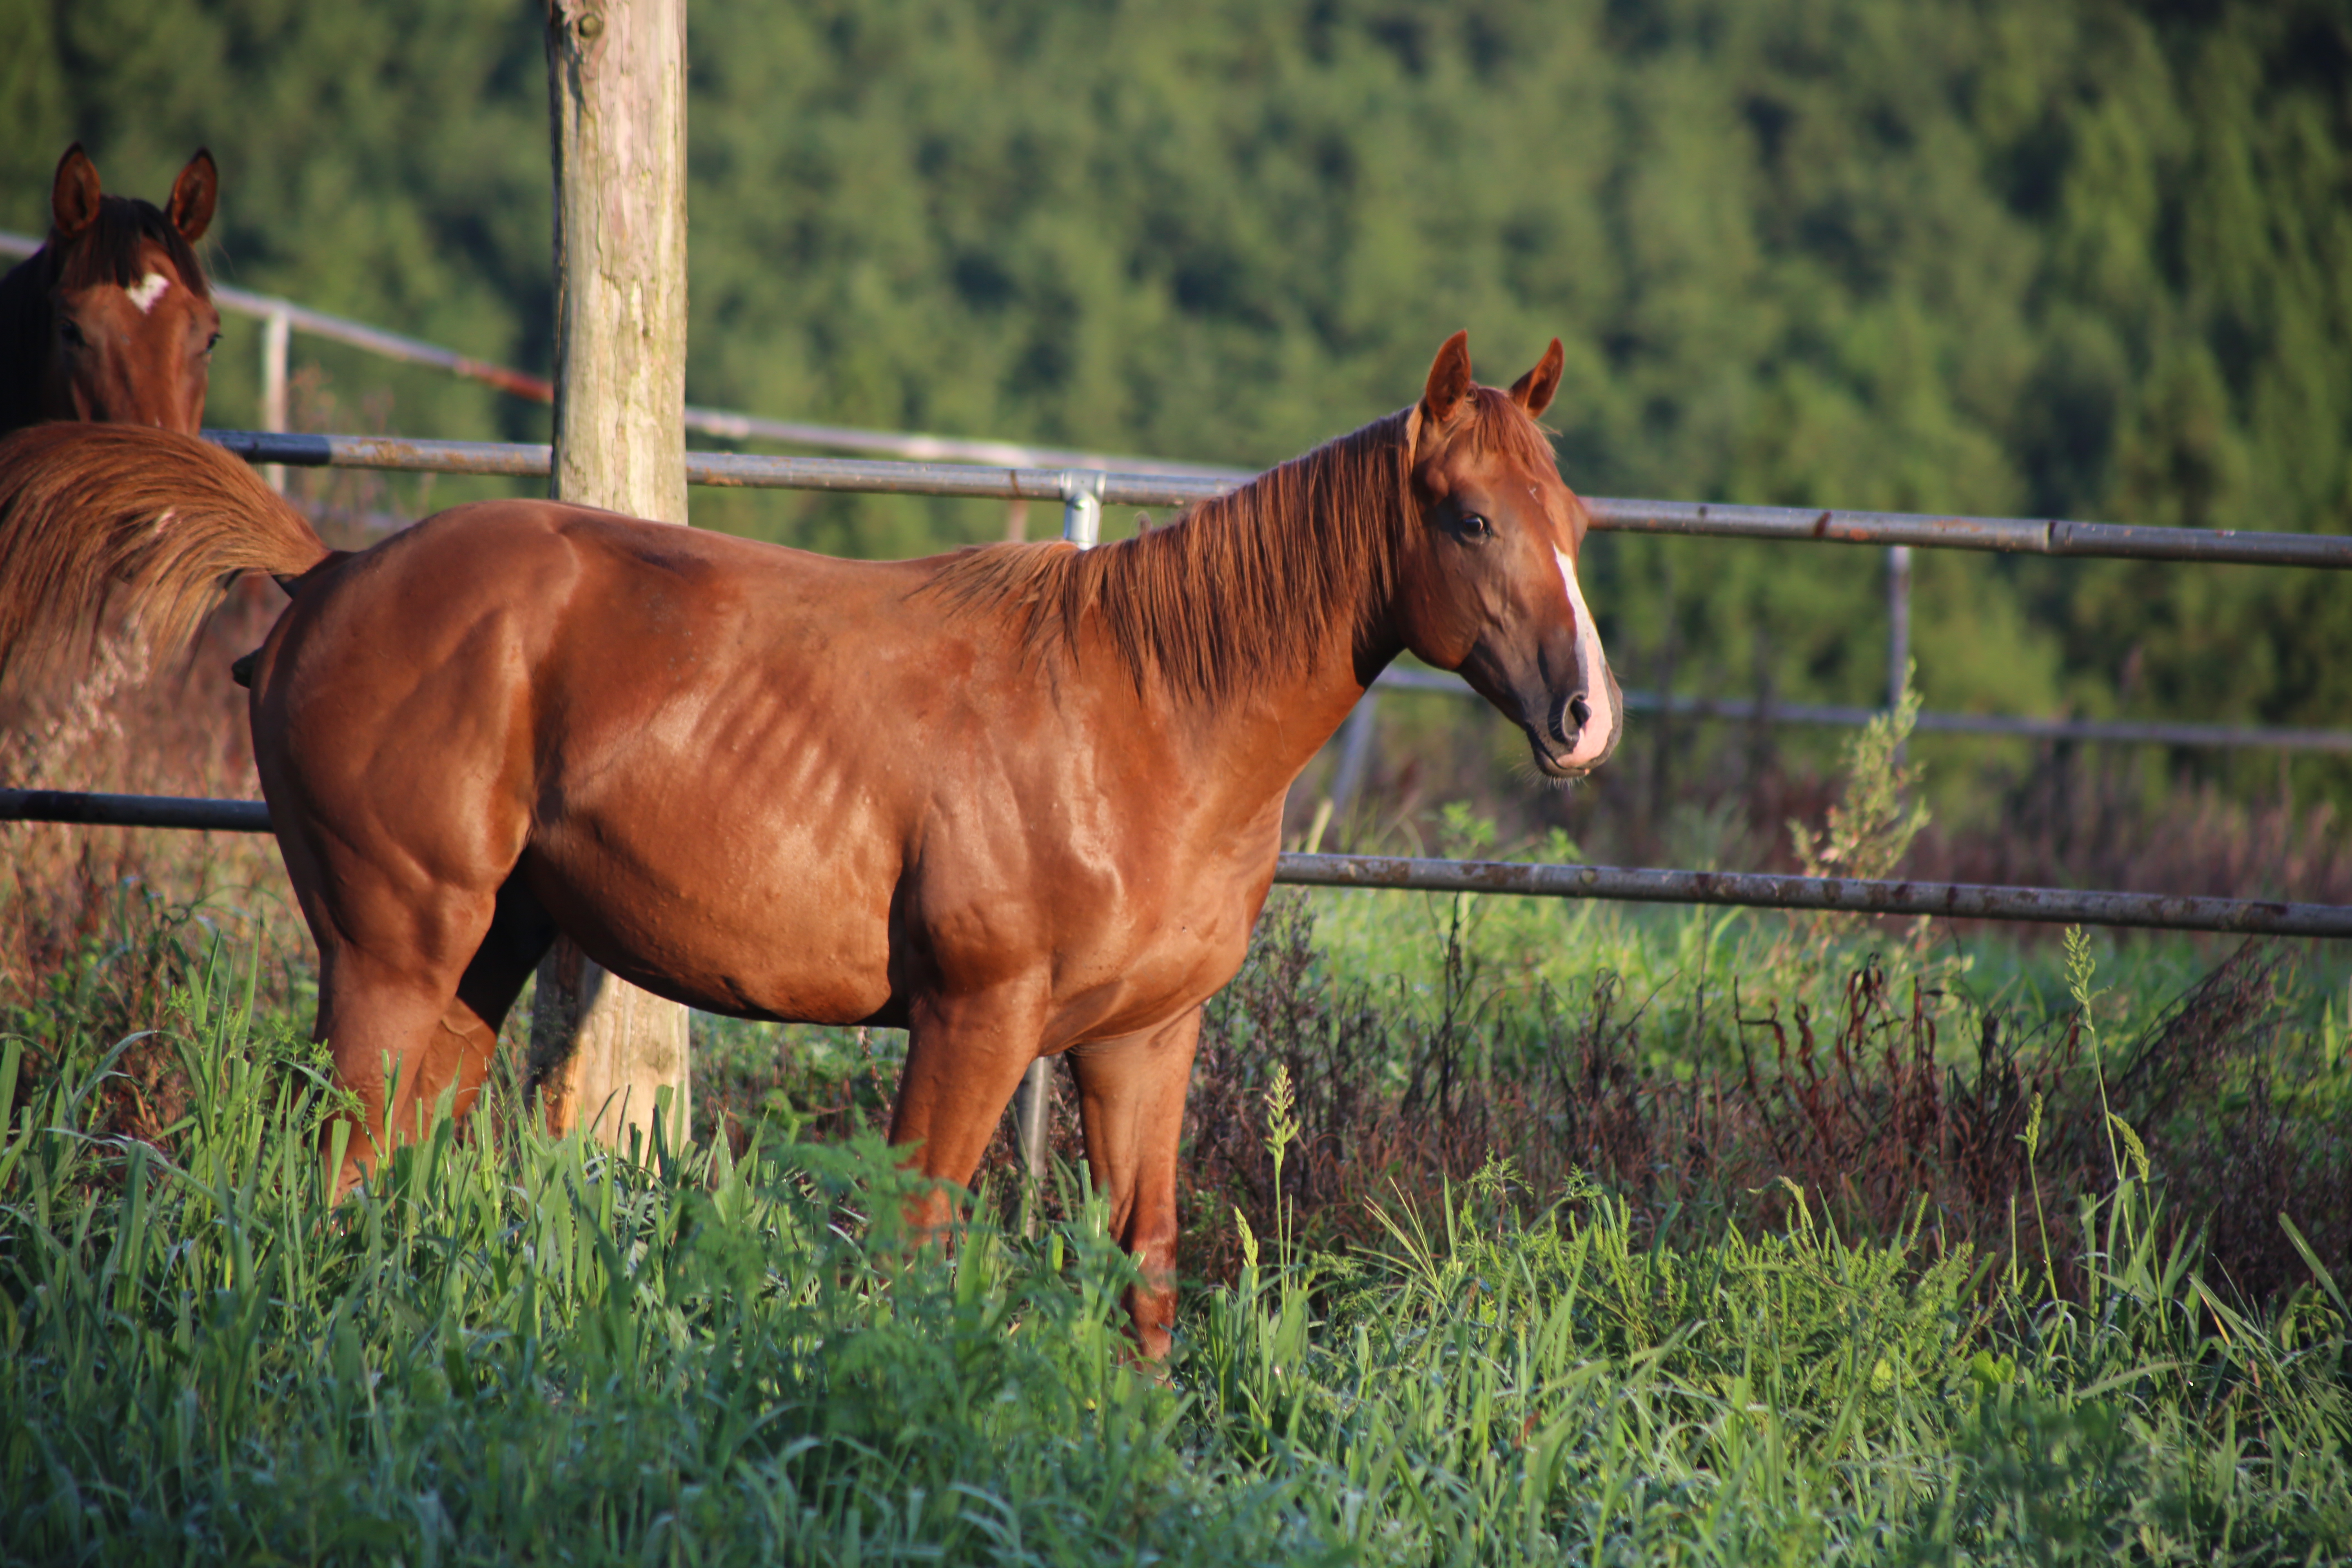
(518, 1348)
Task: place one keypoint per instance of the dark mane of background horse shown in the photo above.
(1244, 590)
(110, 252)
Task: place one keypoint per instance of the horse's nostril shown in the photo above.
(1580, 710)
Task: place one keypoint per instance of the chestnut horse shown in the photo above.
(1018, 800)
(112, 318)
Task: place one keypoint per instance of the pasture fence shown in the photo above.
(282, 317)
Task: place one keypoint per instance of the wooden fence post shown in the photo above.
(601, 1050)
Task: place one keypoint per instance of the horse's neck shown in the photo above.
(1273, 726)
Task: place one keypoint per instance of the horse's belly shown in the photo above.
(702, 916)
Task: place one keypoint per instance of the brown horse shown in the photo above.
(112, 318)
(1018, 800)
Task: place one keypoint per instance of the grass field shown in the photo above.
(1508, 1250)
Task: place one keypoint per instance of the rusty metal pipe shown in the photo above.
(398, 454)
(2007, 535)
(1958, 900)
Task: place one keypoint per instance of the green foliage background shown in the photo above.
(1993, 256)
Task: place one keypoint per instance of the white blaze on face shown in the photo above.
(1593, 741)
(147, 290)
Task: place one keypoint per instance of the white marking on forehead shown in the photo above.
(1591, 672)
(147, 290)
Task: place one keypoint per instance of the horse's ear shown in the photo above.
(1449, 381)
(193, 195)
(1533, 391)
(73, 200)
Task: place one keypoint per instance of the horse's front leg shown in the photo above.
(1131, 1098)
(965, 1057)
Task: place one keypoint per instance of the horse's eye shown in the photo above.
(211, 344)
(69, 331)
(1477, 527)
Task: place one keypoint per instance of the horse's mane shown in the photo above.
(1248, 587)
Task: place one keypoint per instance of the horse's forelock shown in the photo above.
(1503, 427)
(114, 250)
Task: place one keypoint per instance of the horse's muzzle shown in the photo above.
(1581, 732)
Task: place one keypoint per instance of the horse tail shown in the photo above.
(105, 523)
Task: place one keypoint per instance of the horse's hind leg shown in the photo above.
(1131, 1100)
(519, 935)
(410, 1007)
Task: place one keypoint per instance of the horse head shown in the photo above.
(131, 322)
(1487, 585)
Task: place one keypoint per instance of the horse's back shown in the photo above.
(587, 593)
(569, 632)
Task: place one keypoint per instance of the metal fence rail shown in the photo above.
(1745, 889)
(742, 470)
(2008, 535)
(134, 810)
(2122, 732)
(1753, 890)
